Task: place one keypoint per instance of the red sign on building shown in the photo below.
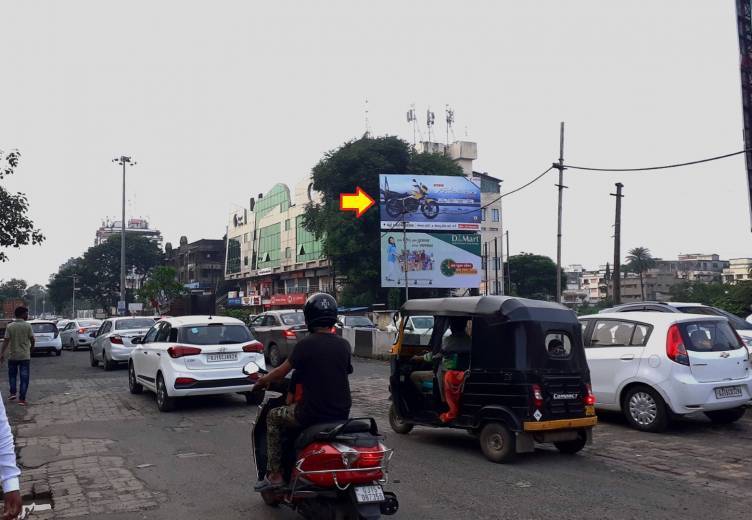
(288, 299)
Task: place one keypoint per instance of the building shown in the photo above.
(270, 257)
(135, 226)
(198, 265)
(738, 270)
(694, 267)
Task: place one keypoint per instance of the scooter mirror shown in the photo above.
(251, 368)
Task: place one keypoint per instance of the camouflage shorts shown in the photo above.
(278, 420)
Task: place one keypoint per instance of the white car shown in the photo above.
(194, 355)
(652, 365)
(112, 342)
(46, 337)
(419, 325)
(77, 333)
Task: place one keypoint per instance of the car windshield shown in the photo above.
(709, 336)
(423, 322)
(214, 334)
(292, 318)
(43, 328)
(736, 321)
(358, 321)
(135, 323)
(89, 324)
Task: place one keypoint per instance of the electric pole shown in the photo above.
(74, 297)
(559, 166)
(404, 254)
(122, 307)
(485, 255)
(509, 270)
(496, 265)
(616, 276)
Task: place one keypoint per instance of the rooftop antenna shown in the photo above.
(411, 118)
(430, 120)
(368, 124)
(449, 121)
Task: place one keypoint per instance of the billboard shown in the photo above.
(442, 260)
(429, 202)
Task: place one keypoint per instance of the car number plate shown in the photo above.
(728, 391)
(368, 494)
(226, 356)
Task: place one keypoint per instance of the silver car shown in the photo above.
(77, 333)
(113, 341)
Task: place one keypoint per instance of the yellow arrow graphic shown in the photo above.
(358, 202)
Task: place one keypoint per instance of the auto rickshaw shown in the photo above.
(523, 378)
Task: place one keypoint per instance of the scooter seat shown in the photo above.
(324, 431)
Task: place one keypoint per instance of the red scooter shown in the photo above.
(335, 471)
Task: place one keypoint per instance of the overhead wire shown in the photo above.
(649, 168)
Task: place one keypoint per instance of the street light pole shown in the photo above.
(559, 166)
(123, 161)
(74, 298)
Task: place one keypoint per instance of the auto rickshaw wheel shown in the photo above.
(397, 423)
(270, 499)
(497, 443)
(572, 447)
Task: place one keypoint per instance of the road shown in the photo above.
(101, 452)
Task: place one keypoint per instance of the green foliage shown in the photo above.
(60, 287)
(13, 288)
(640, 260)
(534, 276)
(736, 299)
(394, 298)
(16, 228)
(352, 244)
(161, 286)
(241, 314)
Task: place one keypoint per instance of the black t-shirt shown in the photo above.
(322, 365)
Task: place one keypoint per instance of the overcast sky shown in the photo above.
(219, 100)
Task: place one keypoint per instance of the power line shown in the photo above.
(497, 199)
(649, 168)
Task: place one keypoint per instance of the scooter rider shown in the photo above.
(322, 364)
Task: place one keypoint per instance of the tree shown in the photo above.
(640, 260)
(353, 244)
(35, 295)
(16, 228)
(13, 288)
(161, 288)
(534, 276)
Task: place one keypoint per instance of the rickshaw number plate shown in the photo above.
(367, 494)
(590, 410)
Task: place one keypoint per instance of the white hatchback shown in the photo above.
(651, 366)
(194, 355)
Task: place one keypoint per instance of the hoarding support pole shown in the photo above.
(496, 265)
(404, 255)
(560, 167)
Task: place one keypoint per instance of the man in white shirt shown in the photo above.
(9, 472)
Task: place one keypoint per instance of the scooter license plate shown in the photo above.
(369, 494)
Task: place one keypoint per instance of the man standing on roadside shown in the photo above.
(19, 338)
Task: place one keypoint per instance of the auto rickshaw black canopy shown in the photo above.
(505, 308)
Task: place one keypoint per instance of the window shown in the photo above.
(611, 333)
(483, 214)
(287, 224)
(495, 215)
(245, 260)
(214, 334)
(308, 247)
(558, 345)
(43, 328)
(288, 252)
(292, 318)
(245, 237)
(151, 334)
(106, 327)
(233, 255)
(641, 335)
(163, 334)
(709, 336)
(134, 323)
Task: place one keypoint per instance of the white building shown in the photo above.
(739, 269)
(134, 226)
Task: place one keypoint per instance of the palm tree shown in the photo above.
(640, 260)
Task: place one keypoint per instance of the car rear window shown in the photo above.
(709, 336)
(140, 323)
(89, 323)
(423, 323)
(43, 328)
(292, 318)
(215, 334)
(359, 321)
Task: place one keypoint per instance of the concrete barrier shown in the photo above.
(369, 343)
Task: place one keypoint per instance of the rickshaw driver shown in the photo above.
(452, 347)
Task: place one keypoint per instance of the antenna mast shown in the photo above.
(449, 121)
(368, 124)
(411, 118)
(430, 120)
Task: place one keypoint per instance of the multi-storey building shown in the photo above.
(198, 265)
(738, 270)
(134, 226)
(694, 267)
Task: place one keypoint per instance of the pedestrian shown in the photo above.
(19, 338)
(9, 471)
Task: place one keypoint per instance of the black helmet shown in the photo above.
(320, 310)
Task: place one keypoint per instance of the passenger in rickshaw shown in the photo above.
(454, 360)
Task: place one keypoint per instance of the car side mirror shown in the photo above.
(136, 340)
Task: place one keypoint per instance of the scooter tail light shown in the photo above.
(537, 396)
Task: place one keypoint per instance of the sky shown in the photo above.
(217, 101)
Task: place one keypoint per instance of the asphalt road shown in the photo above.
(195, 462)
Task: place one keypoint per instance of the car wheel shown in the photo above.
(275, 356)
(165, 403)
(58, 352)
(108, 365)
(133, 384)
(397, 423)
(255, 398)
(498, 443)
(92, 361)
(726, 416)
(645, 410)
(572, 447)
(72, 344)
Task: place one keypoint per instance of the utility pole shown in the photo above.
(559, 166)
(404, 254)
(509, 269)
(123, 161)
(496, 265)
(485, 255)
(616, 275)
(74, 297)
(501, 233)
